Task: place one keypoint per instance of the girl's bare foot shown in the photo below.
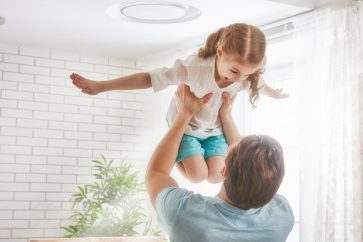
(87, 86)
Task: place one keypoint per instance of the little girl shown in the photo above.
(232, 60)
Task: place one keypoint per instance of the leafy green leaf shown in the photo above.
(111, 205)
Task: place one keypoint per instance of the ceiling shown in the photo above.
(83, 25)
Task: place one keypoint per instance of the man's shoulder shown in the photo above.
(173, 201)
(178, 193)
(279, 200)
(280, 207)
(175, 198)
(174, 190)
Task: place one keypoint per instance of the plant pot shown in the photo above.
(102, 239)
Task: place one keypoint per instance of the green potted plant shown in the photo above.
(111, 207)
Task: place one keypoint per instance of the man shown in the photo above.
(246, 208)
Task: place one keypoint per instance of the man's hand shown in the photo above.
(187, 103)
(225, 114)
(226, 107)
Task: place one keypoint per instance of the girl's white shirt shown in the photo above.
(198, 73)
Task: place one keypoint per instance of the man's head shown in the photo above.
(254, 171)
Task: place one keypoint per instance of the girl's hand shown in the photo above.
(87, 86)
(278, 94)
(226, 107)
(187, 102)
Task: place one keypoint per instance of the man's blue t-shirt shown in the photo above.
(187, 216)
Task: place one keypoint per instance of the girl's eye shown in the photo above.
(234, 72)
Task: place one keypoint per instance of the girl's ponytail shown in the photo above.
(211, 44)
(254, 90)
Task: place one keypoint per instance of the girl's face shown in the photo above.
(231, 68)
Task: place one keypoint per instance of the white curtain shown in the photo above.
(327, 65)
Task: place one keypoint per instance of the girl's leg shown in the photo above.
(215, 165)
(190, 160)
(215, 151)
(194, 168)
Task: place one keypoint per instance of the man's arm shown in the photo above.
(163, 159)
(225, 114)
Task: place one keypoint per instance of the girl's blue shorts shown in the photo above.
(207, 147)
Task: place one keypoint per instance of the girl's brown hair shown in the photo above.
(247, 41)
(255, 169)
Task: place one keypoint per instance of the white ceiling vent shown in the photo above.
(154, 12)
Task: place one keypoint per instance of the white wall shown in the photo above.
(49, 132)
(361, 96)
(361, 121)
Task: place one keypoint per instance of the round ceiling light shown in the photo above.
(154, 12)
(2, 20)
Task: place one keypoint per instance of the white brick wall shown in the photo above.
(50, 131)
